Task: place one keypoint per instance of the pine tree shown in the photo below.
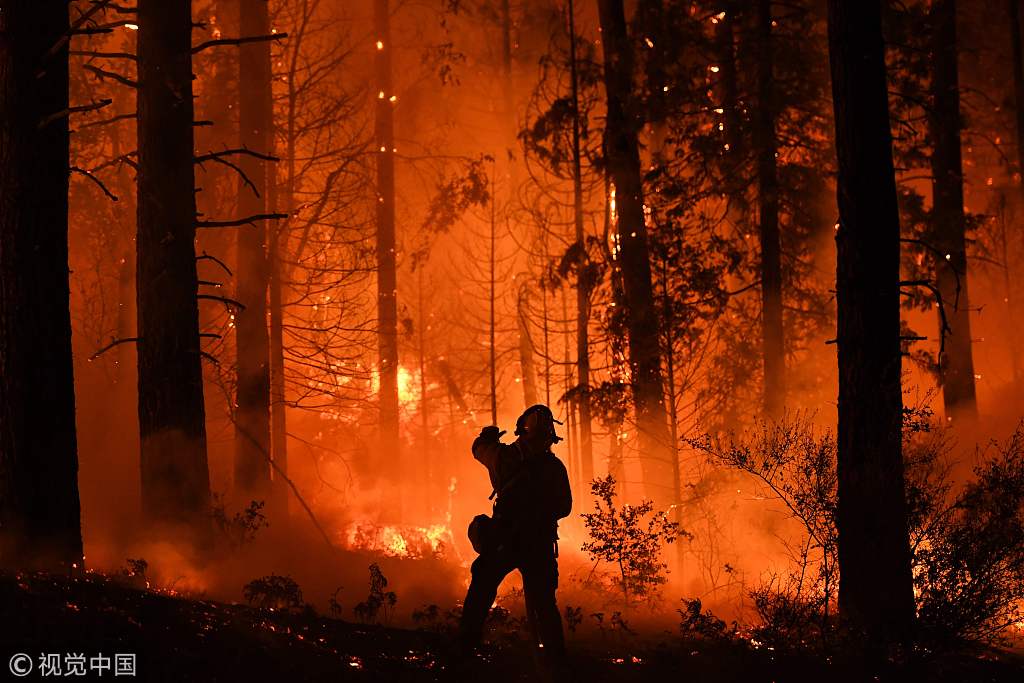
(175, 478)
(875, 590)
(39, 506)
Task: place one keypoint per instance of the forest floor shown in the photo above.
(175, 638)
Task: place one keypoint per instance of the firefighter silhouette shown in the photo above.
(532, 490)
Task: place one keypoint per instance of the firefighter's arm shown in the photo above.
(487, 446)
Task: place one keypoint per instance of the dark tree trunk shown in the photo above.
(586, 449)
(875, 591)
(39, 509)
(735, 182)
(127, 358)
(217, 184)
(255, 123)
(387, 277)
(773, 351)
(1016, 54)
(526, 352)
(278, 422)
(623, 160)
(956, 363)
(278, 418)
(175, 478)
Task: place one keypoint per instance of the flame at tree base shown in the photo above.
(407, 542)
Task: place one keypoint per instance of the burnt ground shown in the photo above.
(180, 639)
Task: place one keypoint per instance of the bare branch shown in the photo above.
(74, 29)
(104, 55)
(120, 9)
(116, 342)
(944, 327)
(64, 113)
(123, 159)
(248, 220)
(112, 119)
(234, 152)
(227, 301)
(99, 183)
(208, 257)
(103, 74)
(232, 166)
(237, 41)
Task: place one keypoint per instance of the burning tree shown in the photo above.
(630, 538)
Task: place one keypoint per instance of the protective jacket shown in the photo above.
(532, 488)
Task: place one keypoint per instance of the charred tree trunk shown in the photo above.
(1017, 54)
(623, 160)
(255, 123)
(526, 363)
(586, 446)
(526, 350)
(39, 508)
(491, 298)
(175, 478)
(387, 277)
(731, 111)
(773, 350)
(126, 324)
(217, 184)
(956, 362)
(875, 591)
(278, 421)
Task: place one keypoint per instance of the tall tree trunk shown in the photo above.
(586, 449)
(672, 395)
(491, 298)
(1017, 55)
(175, 478)
(39, 508)
(387, 278)
(278, 420)
(732, 113)
(526, 350)
(875, 591)
(126, 324)
(526, 363)
(255, 123)
(773, 351)
(428, 467)
(217, 184)
(956, 362)
(623, 160)
(545, 327)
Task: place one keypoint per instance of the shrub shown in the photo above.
(273, 592)
(630, 539)
(242, 527)
(379, 601)
(967, 543)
